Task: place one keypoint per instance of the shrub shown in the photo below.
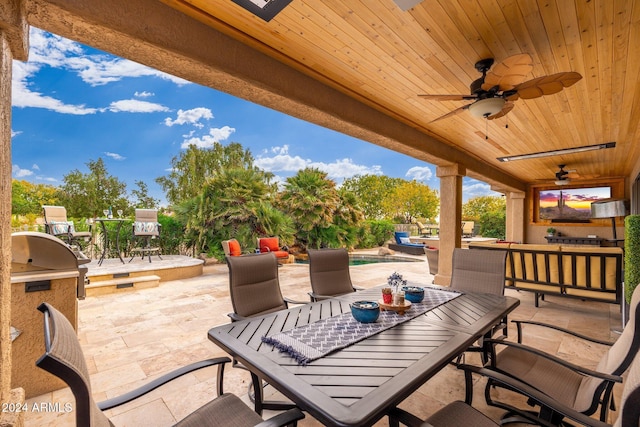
(631, 254)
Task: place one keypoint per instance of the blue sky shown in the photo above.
(72, 104)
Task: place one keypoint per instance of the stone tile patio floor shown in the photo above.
(131, 337)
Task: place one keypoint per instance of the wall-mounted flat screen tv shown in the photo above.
(571, 204)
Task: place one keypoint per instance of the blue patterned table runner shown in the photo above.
(315, 340)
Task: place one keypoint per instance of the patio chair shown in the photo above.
(56, 224)
(254, 289)
(146, 227)
(329, 273)
(460, 413)
(482, 271)
(272, 244)
(467, 228)
(63, 358)
(232, 247)
(585, 390)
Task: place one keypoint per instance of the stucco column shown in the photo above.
(14, 36)
(515, 216)
(450, 218)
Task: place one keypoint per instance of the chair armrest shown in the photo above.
(317, 297)
(235, 317)
(534, 394)
(141, 391)
(283, 419)
(406, 418)
(566, 364)
(291, 301)
(519, 324)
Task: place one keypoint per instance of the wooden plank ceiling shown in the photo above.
(385, 57)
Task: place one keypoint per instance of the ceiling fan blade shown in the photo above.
(447, 97)
(509, 73)
(547, 85)
(451, 113)
(508, 106)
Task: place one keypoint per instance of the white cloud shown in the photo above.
(473, 188)
(191, 117)
(35, 167)
(282, 161)
(420, 173)
(48, 50)
(143, 94)
(114, 156)
(207, 141)
(46, 178)
(136, 106)
(15, 133)
(18, 172)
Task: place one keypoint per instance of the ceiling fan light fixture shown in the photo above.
(558, 152)
(562, 182)
(486, 107)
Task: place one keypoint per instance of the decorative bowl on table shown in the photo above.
(413, 293)
(365, 311)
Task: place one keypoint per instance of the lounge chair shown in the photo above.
(232, 247)
(467, 228)
(403, 244)
(272, 244)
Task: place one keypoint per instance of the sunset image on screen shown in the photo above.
(571, 204)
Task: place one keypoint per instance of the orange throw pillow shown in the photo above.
(234, 248)
(271, 243)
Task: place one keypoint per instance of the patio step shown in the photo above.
(121, 284)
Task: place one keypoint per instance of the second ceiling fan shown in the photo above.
(493, 93)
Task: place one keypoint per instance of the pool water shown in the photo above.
(370, 259)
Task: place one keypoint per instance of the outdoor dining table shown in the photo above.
(359, 384)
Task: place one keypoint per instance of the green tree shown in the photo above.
(371, 190)
(410, 200)
(322, 215)
(490, 214)
(88, 194)
(194, 166)
(475, 207)
(28, 198)
(142, 197)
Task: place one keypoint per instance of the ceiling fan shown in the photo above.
(562, 176)
(493, 93)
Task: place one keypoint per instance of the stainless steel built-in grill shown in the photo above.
(43, 268)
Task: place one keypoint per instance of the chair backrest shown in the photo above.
(55, 220)
(231, 247)
(467, 228)
(478, 270)
(629, 413)
(253, 284)
(329, 271)
(54, 213)
(398, 235)
(268, 244)
(616, 361)
(146, 223)
(63, 358)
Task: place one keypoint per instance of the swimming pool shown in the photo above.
(370, 259)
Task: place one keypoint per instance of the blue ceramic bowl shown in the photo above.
(365, 311)
(413, 293)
